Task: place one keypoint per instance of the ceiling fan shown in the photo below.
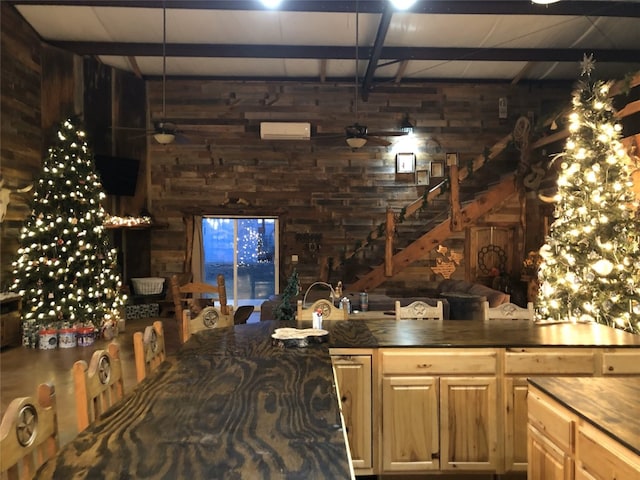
(356, 134)
(165, 132)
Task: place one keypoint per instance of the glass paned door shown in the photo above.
(244, 250)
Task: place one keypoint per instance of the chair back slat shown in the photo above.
(187, 298)
(329, 310)
(28, 434)
(208, 318)
(149, 350)
(508, 311)
(419, 311)
(98, 385)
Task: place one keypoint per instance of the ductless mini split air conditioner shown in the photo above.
(285, 131)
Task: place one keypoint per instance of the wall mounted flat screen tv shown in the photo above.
(118, 175)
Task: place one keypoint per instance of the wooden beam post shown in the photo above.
(454, 198)
(388, 246)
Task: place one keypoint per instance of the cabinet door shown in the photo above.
(515, 437)
(409, 424)
(600, 457)
(468, 423)
(353, 375)
(547, 461)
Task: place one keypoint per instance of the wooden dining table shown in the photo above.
(233, 404)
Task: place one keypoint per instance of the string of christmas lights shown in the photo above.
(66, 270)
(590, 269)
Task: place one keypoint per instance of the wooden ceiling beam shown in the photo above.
(376, 51)
(341, 52)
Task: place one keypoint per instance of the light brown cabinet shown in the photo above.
(353, 375)
(519, 363)
(439, 413)
(565, 446)
(546, 460)
(410, 439)
(551, 440)
(412, 410)
(598, 457)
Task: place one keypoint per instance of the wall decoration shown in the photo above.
(437, 169)
(447, 265)
(452, 159)
(422, 177)
(405, 163)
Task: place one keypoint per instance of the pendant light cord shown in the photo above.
(164, 59)
(356, 65)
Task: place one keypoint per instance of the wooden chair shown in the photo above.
(148, 349)
(420, 311)
(242, 314)
(186, 297)
(329, 311)
(28, 434)
(209, 317)
(509, 311)
(97, 386)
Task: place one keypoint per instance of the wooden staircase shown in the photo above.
(481, 205)
(438, 230)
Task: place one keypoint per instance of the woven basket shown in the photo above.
(148, 285)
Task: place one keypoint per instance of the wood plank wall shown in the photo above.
(20, 125)
(317, 187)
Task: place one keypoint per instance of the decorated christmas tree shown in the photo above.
(66, 269)
(590, 268)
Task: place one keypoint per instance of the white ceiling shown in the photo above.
(436, 39)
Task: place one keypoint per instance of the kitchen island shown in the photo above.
(416, 396)
(452, 396)
(232, 405)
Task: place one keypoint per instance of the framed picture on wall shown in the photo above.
(437, 169)
(405, 163)
(452, 158)
(422, 177)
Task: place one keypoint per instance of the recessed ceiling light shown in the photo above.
(544, 2)
(402, 4)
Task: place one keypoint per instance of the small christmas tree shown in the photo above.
(285, 310)
(66, 270)
(590, 269)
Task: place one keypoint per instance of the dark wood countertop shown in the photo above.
(232, 405)
(473, 333)
(608, 403)
(235, 405)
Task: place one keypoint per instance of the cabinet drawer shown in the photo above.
(434, 361)
(554, 423)
(603, 458)
(526, 361)
(621, 362)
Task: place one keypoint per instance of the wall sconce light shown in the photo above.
(452, 159)
(406, 126)
(405, 163)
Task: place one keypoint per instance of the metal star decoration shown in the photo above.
(587, 65)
